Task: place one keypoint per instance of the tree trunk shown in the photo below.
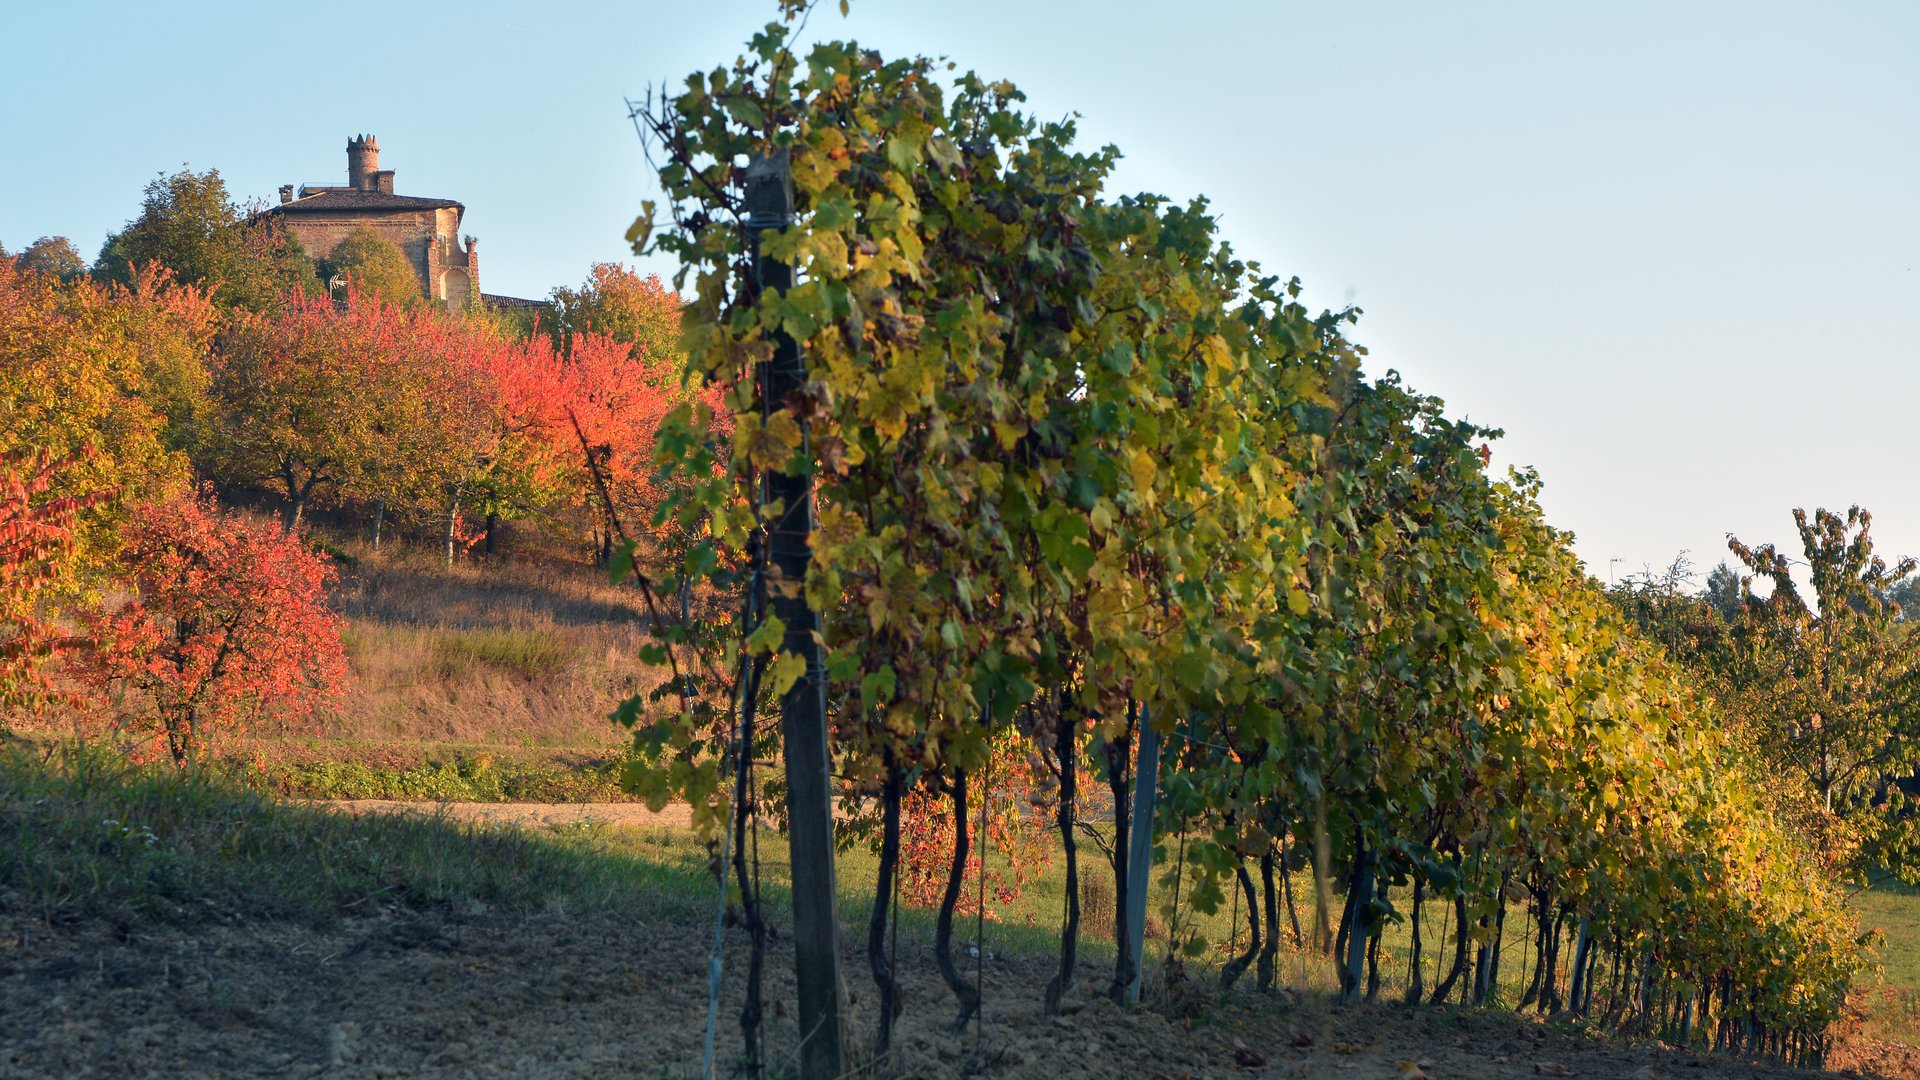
(1542, 922)
(1550, 988)
(1459, 951)
(1373, 953)
(1264, 973)
(877, 957)
(1482, 960)
(1582, 981)
(1338, 943)
(1239, 964)
(1359, 909)
(180, 732)
(1119, 753)
(1323, 881)
(968, 994)
(751, 911)
(1416, 978)
(1066, 749)
(1499, 937)
(453, 521)
(1286, 892)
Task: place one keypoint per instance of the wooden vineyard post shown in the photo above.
(1146, 781)
(803, 714)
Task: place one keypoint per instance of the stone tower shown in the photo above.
(363, 166)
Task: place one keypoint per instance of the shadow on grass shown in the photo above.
(84, 835)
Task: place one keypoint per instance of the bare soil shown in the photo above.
(474, 993)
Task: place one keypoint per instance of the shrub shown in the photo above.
(229, 618)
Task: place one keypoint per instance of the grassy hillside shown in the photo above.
(486, 680)
(86, 837)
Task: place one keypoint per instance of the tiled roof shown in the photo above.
(510, 302)
(350, 200)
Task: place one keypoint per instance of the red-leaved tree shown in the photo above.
(229, 619)
(36, 538)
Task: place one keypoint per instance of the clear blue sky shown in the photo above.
(1673, 249)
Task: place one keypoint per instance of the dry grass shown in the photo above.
(514, 656)
(520, 658)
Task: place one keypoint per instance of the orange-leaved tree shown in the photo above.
(618, 395)
(620, 338)
(522, 459)
(228, 621)
(325, 404)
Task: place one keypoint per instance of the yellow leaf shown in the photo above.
(1102, 515)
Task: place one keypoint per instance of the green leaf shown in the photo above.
(641, 231)
(620, 566)
(768, 635)
(786, 671)
(877, 688)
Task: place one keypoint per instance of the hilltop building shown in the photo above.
(426, 230)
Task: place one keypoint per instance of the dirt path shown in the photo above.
(484, 995)
(535, 814)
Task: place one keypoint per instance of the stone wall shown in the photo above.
(417, 233)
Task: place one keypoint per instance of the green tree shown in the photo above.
(269, 267)
(1723, 593)
(188, 224)
(1830, 681)
(375, 265)
(54, 255)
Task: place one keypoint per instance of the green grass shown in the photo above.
(84, 835)
(460, 777)
(530, 653)
(1893, 998)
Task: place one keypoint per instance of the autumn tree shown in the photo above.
(228, 622)
(105, 377)
(320, 403)
(642, 313)
(375, 266)
(521, 458)
(269, 266)
(618, 336)
(619, 392)
(1079, 475)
